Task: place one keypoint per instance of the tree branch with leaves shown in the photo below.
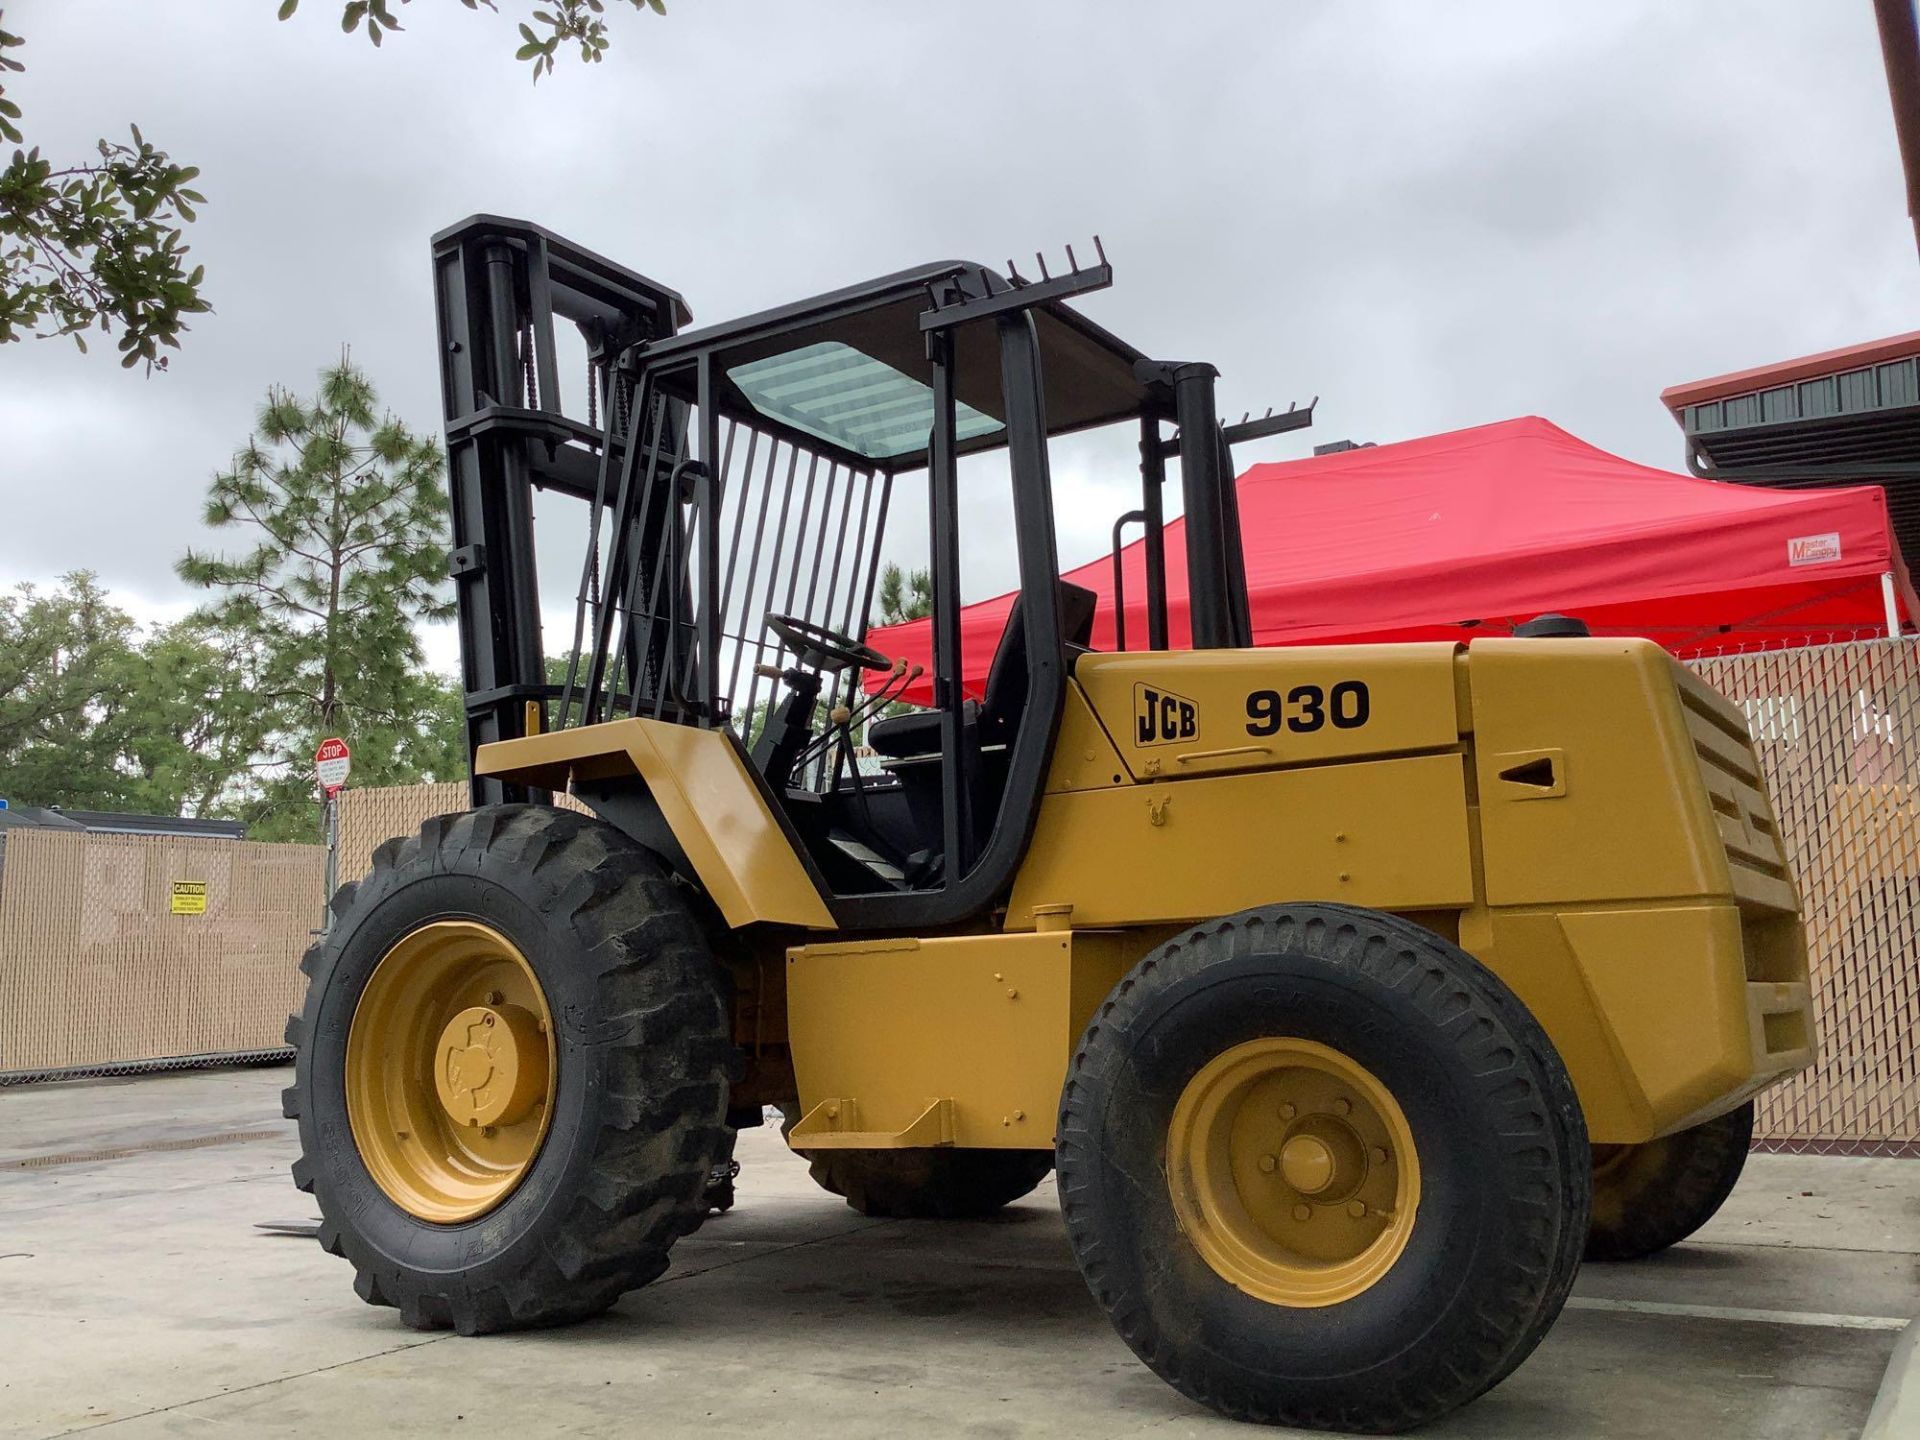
(554, 23)
(94, 246)
(904, 595)
(94, 715)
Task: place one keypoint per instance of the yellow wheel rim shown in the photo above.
(450, 1070)
(1293, 1172)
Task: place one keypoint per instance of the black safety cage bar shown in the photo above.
(706, 513)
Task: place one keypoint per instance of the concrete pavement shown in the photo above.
(138, 1298)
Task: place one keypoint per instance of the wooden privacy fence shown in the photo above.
(119, 949)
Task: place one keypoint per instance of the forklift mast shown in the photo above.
(498, 287)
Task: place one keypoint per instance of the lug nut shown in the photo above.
(1357, 1209)
(1287, 1110)
(1379, 1154)
(1303, 1212)
(1268, 1164)
(1343, 1106)
(494, 997)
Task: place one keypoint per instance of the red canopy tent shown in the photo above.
(1471, 532)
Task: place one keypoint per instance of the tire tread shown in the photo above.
(661, 1018)
(1703, 1164)
(1459, 995)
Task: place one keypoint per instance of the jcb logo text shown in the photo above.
(1161, 719)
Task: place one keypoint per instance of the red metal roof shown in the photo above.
(1785, 372)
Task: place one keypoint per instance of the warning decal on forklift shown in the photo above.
(189, 897)
(1160, 718)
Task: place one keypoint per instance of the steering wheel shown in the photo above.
(824, 649)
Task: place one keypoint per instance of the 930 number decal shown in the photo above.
(1306, 708)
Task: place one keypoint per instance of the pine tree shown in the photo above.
(347, 519)
(904, 595)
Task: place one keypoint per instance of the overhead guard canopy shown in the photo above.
(765, 361)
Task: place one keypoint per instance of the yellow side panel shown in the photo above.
(1084, 757)
(708, 798)
(1627, 816)
(1207, 711)
(1652, 1011)
(718, 814)
(884, 1031)
(1386, 833)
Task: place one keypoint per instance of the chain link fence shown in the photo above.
(1837, 727)
(122, 952)
(369, 818)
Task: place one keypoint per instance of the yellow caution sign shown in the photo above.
(189, 897)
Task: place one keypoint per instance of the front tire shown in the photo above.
(1321, 1168)
(512, 1071)
(1647, 1197)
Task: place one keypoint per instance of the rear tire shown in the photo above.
(1647, 1197)
(925, 1184)
(638, 1074)
(1376, 1024)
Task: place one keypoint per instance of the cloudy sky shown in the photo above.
(1430, 216)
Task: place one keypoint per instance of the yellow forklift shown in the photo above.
(1353, 992)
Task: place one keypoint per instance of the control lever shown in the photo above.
(898, 678)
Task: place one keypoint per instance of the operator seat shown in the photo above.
(1005, 697)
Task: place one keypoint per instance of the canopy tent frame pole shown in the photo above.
(1892, 598)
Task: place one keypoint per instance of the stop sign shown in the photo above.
(331, 763)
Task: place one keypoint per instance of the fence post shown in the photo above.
(1892, 598)
(333, 861)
